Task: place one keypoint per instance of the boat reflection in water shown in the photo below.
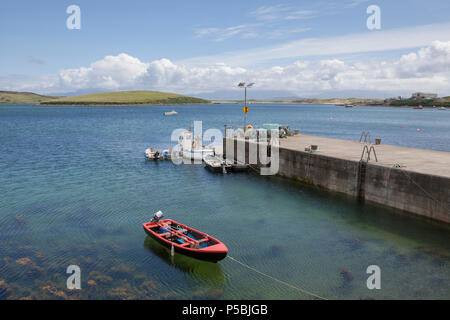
(202, 270)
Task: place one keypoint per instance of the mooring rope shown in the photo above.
(420, 187)
(278, 280)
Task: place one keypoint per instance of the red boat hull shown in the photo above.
(213, 252)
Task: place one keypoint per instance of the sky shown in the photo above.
(311, 48)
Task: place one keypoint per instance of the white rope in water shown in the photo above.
(278, 280)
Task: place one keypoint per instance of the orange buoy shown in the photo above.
(331, 118)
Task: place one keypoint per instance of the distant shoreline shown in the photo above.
(117, 104)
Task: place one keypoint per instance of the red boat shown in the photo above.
(185, 240)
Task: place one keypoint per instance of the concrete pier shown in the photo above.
(416, 181)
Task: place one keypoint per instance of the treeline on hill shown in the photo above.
(167, 101)
(425, 103)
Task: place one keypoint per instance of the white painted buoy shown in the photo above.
(172, 251)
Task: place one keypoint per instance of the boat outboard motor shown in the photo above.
(158, 215)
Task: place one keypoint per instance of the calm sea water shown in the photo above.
(75, 189)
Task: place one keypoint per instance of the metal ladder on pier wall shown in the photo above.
(361, 184)
(367, 151)
(367, 137)
(362, 168)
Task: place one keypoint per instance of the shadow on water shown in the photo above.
(201, 270)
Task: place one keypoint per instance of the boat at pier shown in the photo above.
(185, 240)
(156, 154)
(418, 108)
(237, 166)
(192, 148)
(216, 165)
(153, 154)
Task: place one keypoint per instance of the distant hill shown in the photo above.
(14, 97)
(126, 98)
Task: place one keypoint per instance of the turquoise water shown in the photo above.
(75, 189)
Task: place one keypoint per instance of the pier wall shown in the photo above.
(416, 193)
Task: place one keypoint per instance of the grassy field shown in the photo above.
(22, 97)
(126, 98)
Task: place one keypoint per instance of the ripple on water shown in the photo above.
(82, 196)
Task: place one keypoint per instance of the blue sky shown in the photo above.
(247, 37)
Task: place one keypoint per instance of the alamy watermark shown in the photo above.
(374, 280)
(74, 280)
(374, 20)
(73, 22)
(252, 146)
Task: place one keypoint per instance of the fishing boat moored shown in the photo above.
(185, 240)
(216, 165)
(237, 166)
(153, 154)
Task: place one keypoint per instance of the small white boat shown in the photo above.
(442, 108)
(166, 154)
(192, 148)
(153, 154)
(171, 113)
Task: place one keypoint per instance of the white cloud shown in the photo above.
(282, 12)
(426, 69)
(112, 72)
(221, 34)
(368, 41)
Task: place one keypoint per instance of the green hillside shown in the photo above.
(22, 97)
(126, 98)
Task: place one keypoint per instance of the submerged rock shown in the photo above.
(170, 296)
(148, 286)
(30, 265)
(20, 220)
(114, 247)
(121, 271)
(275, 251)
(54, 293)
(99, 277)
(4, 264)
(121, 293)
(5, 290)
(347, 276)
(209, 294)
(24, 261)
(92, 283)
(353, 244)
